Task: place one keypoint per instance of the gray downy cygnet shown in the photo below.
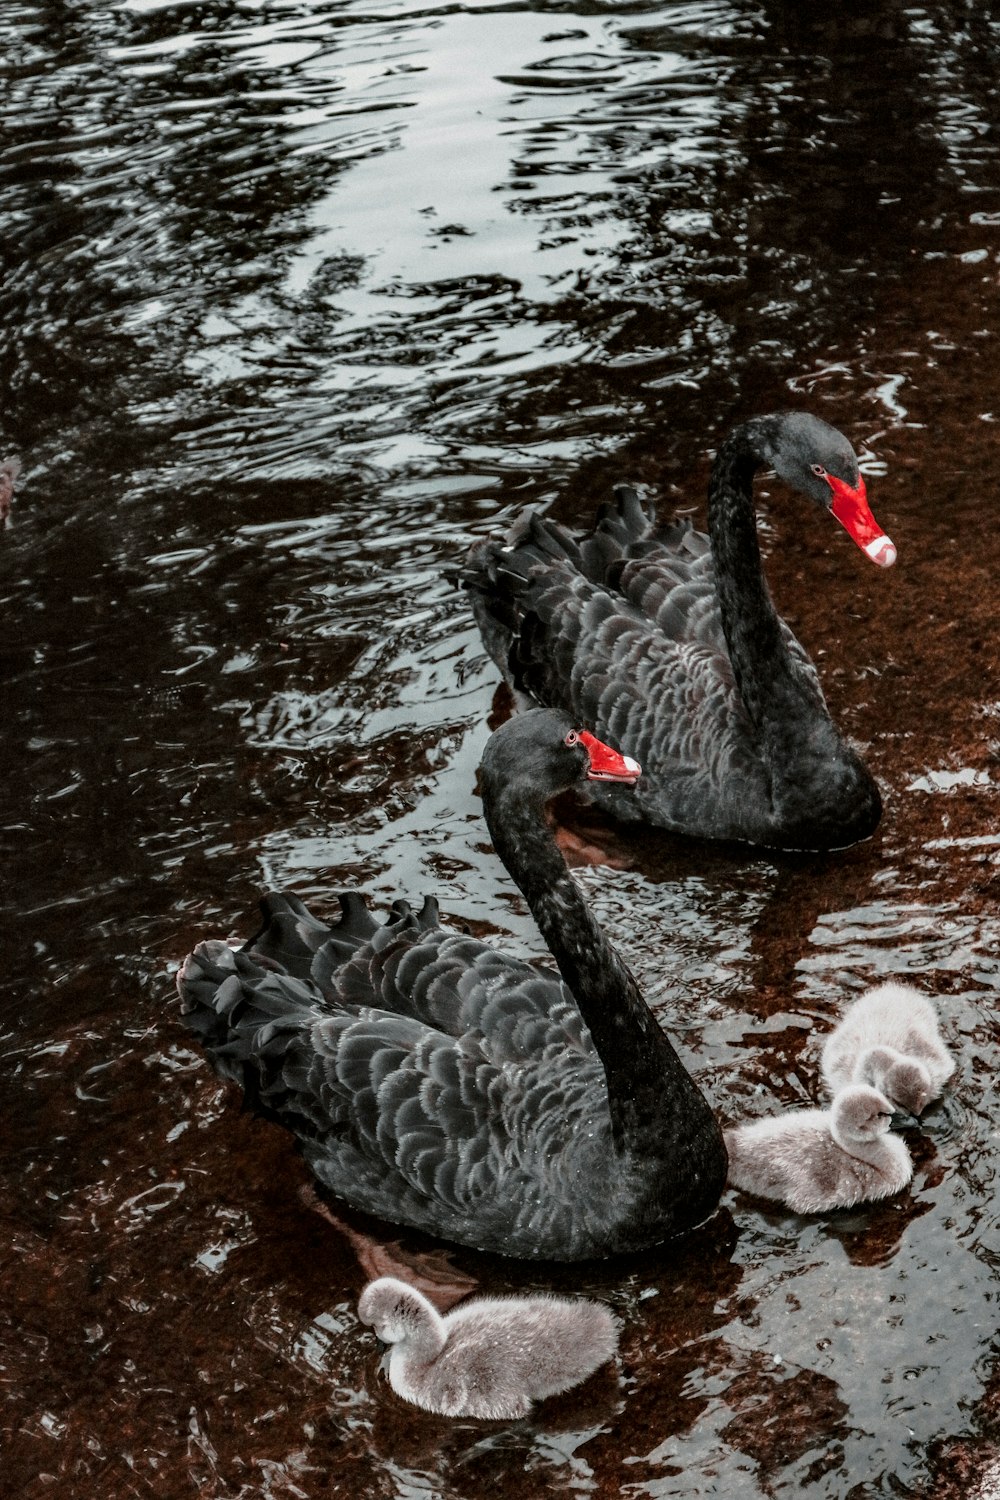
(889, 1038)
(490, 1357)
(818, 1159)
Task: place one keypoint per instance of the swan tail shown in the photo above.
(292, 941)
(485, 578)
(258, 1029)
(226, 998)
(499, 574)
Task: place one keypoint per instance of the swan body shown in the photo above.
(889, 1038)
(815, 1159)
(490, 1357)
(667, 640)
(436, 1082)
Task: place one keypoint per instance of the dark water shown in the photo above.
(297, 299)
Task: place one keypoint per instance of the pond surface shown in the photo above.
(298, 299)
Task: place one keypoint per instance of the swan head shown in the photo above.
(903, 1080)
(816, 459)
(397, 1312)
(544, 750)
(860, 1114)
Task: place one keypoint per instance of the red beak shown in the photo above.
(851, 509)
(606, 764)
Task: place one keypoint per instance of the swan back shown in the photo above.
(497, 1354)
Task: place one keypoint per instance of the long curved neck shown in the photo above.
(648, 1088)
(765, 675)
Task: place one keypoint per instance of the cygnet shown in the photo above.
(889, 1038)
(9, 471)
(491, 1357)
(818, 1159)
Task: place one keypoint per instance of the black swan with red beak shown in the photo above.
(437, 1082)
(667, 641)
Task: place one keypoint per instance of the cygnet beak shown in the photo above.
(901, 1119)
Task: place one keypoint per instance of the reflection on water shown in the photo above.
(297, 299)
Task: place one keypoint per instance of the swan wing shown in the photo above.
(672, 703)
(462, 1107)
(412, 966)
(626, 636)
(665, 574)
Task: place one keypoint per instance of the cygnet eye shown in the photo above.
(573, 738)
(818, 470)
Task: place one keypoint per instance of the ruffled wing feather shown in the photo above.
(622, 630)
(430, 1079)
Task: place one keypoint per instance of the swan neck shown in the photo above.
(644, 1074)
(763, 669)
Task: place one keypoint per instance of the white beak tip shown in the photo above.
(881, 551)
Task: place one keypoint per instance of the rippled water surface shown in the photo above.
(297, 300)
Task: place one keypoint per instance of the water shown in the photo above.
(297, 300)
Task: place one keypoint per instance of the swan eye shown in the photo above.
(818, 470)
(573, 738)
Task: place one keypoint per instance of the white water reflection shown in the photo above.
(906, 938)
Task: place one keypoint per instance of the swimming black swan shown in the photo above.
(490, 1357)
(818, 1159)
(890, 1038)
(438, 1083)
(668, 642)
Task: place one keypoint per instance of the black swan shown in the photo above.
(818, 1159)
(436, 1082)
(492, 1356)
(669, 642)
(890, 1038)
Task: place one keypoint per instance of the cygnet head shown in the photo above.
(903, 1080)
(860, 1114)
(395, 1310)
